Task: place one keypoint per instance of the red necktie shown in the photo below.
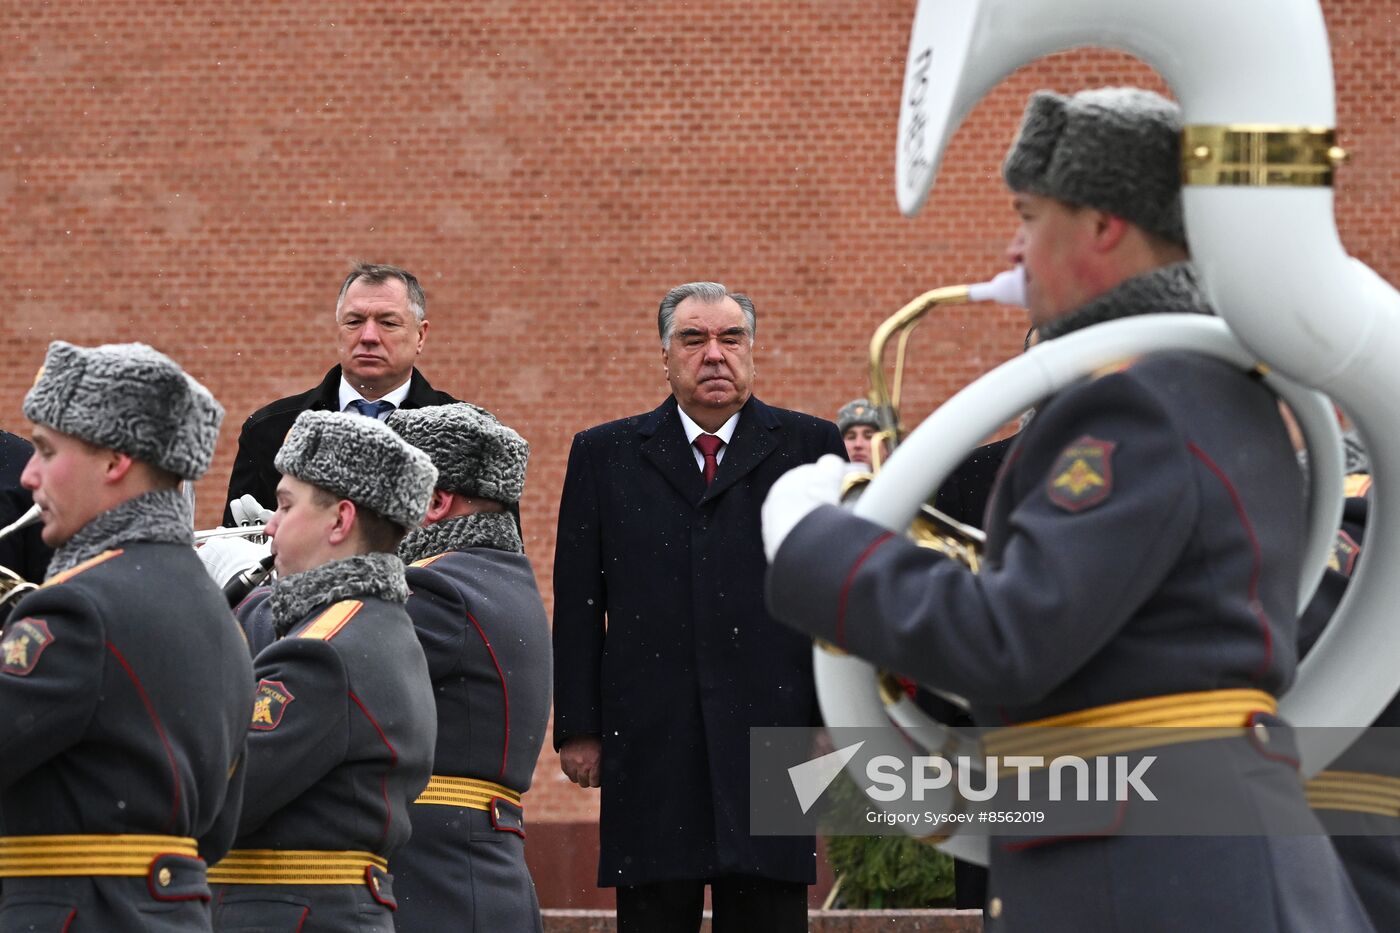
(709, 445)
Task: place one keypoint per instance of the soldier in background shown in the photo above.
(483, 627)
(125, 684)
(858, 424)
(342, 728)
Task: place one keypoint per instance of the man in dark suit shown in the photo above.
(381, 325)
(665, 656)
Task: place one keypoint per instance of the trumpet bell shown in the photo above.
(930, 528)
(13, 588)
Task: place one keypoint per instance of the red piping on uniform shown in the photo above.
(1255, 606)
(160, 732)
(68, 921)
(393, 762)
(505, 694)
(846, 586)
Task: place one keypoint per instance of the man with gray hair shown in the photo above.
(124, 682)
(1141, 568)
(381, 323)
(483, 626)
(666, 655)
(341, 734)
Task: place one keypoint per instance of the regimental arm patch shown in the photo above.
(269, 703)
(1344, 551)
(1082, 477)
(24, 641)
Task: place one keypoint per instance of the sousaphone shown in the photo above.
(1254, 79)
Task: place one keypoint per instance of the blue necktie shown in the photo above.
(371, 409)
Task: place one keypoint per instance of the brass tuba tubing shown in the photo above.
(884, 397)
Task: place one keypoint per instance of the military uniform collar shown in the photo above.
(1170, 289)
(378, 576)
(495, 530)
(162, 516)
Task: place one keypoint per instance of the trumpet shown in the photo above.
(242, 531)
(237, 587)
(13, 587)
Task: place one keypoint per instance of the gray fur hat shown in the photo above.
(1115, 149)
(131, 398)
(475, 454)
(857, 411)
(359, 459)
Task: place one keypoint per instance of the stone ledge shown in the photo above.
(819, 921)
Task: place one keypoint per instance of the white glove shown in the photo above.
(799, 491)
(227, 557)
(248, 511)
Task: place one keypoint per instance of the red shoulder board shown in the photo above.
(22, 644)
(269, 703)
(325, 626)
(1082, 477)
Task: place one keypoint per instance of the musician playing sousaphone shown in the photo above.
(1141, 564)
(125, 684)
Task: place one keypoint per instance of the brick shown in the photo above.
(197, 175)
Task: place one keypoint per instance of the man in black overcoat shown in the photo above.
(664, 655)
(381, 323)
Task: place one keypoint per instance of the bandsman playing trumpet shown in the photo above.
(1142, 542)
(125, 683)
(341, 733)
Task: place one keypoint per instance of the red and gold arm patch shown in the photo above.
(22, 644)
(1082, 477)
(269, 703)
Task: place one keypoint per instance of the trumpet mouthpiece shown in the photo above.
(1007, 288)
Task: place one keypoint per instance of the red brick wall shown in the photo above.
(197, 175)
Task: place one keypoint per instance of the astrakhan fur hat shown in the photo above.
(131, 398)
(1116, 149)
(474, 453)
(359, 459)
